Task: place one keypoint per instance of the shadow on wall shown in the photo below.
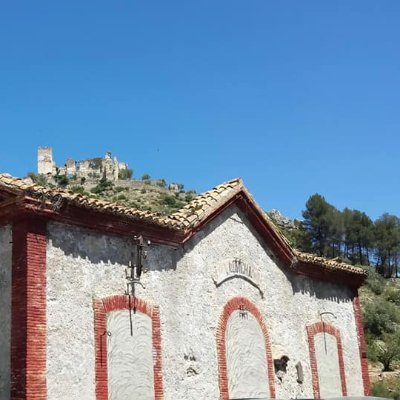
(100, 248)
(320, 289)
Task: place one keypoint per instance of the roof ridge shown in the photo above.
(184, 220)
(203, 204)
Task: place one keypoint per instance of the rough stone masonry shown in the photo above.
(223, 309)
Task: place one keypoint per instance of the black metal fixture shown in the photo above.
(135, 266)
(243, 313)
(134, 272)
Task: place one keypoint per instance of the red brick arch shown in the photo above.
(120, 302)
(232, 305)
(323, 327)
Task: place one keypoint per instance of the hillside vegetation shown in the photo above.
(143, 194)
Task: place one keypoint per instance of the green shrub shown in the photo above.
(392, 294)
(380, 389)
(189, 197)
(125, 174)
(134, 204)
(380, 317)
(389, 350)
(161, 183)
(372, 349)
(171, 202)
(375, 282)
(93, 175)
(143, 191)
(39, 179)
(102, 186)
(61, 180)
(145, 177)
(78, 189)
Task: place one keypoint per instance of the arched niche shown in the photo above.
(244, 352)
(128, 349)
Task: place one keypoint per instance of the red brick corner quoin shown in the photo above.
(323, 327)
(28, 318)
(232, 305)
(361, 344)
(121, 302)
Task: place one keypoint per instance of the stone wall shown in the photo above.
(5, 310)
(45, 160)
(91, 168)
(191, 286)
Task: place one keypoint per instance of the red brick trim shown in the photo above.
(361, 344)
(312, 330)
(232, 305)
(121, 302)
(28, 302)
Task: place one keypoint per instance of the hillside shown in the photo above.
(144, 194)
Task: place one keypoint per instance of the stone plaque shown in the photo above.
(236, 268)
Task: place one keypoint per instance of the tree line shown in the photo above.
(350, 235)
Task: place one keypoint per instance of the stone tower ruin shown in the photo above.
(45, 160)
(91, 168)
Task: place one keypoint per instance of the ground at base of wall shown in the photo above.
(384, 384)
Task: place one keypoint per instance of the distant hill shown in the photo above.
(144, 194)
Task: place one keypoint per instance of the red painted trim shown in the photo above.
(323, 274)
(233, 305)
(121, 302)
(312, 330)
(361, 345)
(28, 319)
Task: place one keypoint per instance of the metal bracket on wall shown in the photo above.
(321, 314)
(134, 272)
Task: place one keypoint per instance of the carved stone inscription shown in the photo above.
(236, 268)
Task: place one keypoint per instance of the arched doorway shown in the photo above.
(244, 352)
(326, 358)
(128, 349)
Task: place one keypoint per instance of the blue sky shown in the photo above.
(296, 97)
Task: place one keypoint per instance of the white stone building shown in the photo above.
(224, 308)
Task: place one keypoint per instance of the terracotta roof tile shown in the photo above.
(328, 263)
(184, 219)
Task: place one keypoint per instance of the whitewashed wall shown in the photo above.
(130, 356)
(5, 310)
(83, 264)
(246, 358)
(326, 353)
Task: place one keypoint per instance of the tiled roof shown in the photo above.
(332, 264)
(56, 195)
(204, 204)
(183, 220)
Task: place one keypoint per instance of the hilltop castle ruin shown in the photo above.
(92, 168)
